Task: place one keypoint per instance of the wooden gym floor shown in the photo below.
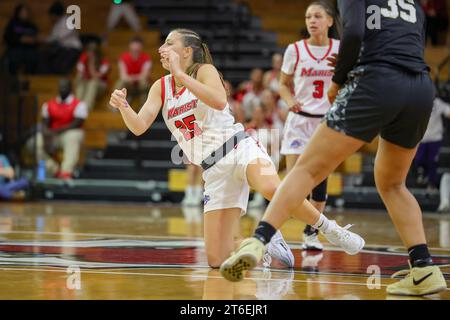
(104, 251)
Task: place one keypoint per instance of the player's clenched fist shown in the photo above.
(119, 99)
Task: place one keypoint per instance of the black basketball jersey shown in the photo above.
(381, 31)
(400, 39)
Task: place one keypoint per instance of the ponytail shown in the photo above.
(200, 52)
(206, 54)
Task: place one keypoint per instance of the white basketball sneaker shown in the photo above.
(279, 249)
(341, 237)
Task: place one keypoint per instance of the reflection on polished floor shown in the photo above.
(103, 251)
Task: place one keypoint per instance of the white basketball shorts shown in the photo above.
(226, 184)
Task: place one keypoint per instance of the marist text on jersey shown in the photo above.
(173, 112)
(311, 72)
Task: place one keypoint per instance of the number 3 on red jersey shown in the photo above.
(188, 127)
(318, 92)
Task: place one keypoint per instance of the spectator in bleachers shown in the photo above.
(437, 20)
(235, 106)
(257, 128)
(250, 91)
(92, 78)
(428, 152)
(134, 70)
(272, 77)
(271, 115)
(266, 126)
(126, 10)
(21, 39)
(63, 44)
(9, 186)
(275, 111)
(63, 119)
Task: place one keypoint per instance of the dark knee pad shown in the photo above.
(319, 193)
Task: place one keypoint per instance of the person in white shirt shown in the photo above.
(305, 65)
(193, 102)
(64, 44)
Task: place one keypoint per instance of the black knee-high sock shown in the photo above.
(419, 256)
(309, 230)
(264, 232)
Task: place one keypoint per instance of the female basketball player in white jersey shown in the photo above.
(305, 64)
(194, 104)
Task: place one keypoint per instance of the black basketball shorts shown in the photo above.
(385, 100)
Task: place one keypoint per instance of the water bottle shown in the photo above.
(41, 170)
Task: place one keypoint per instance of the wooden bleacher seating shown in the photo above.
(285, 17)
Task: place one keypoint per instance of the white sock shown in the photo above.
(322, 224)
(257, 197)
(188, 193)
(198, 192)
(445, 189)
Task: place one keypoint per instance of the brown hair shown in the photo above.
(330, 9)
(201, 54)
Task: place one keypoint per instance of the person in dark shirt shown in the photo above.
(381, 86)
(21, 38)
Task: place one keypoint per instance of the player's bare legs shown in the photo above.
(291, 159)
(310, 235)
(219, 233)
(262, 177)
(390, 179)
(319, 160)
(391, 168)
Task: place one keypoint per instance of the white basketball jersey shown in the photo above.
(312, 75)
(198, 128)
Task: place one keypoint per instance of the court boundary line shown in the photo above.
(192, 276)
(184, 276)
(329, 248)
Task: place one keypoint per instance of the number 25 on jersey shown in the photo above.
(188, 127)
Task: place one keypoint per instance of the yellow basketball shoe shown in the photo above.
(245, 258)
(418, 282)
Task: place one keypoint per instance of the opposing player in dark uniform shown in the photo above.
(381, 86)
